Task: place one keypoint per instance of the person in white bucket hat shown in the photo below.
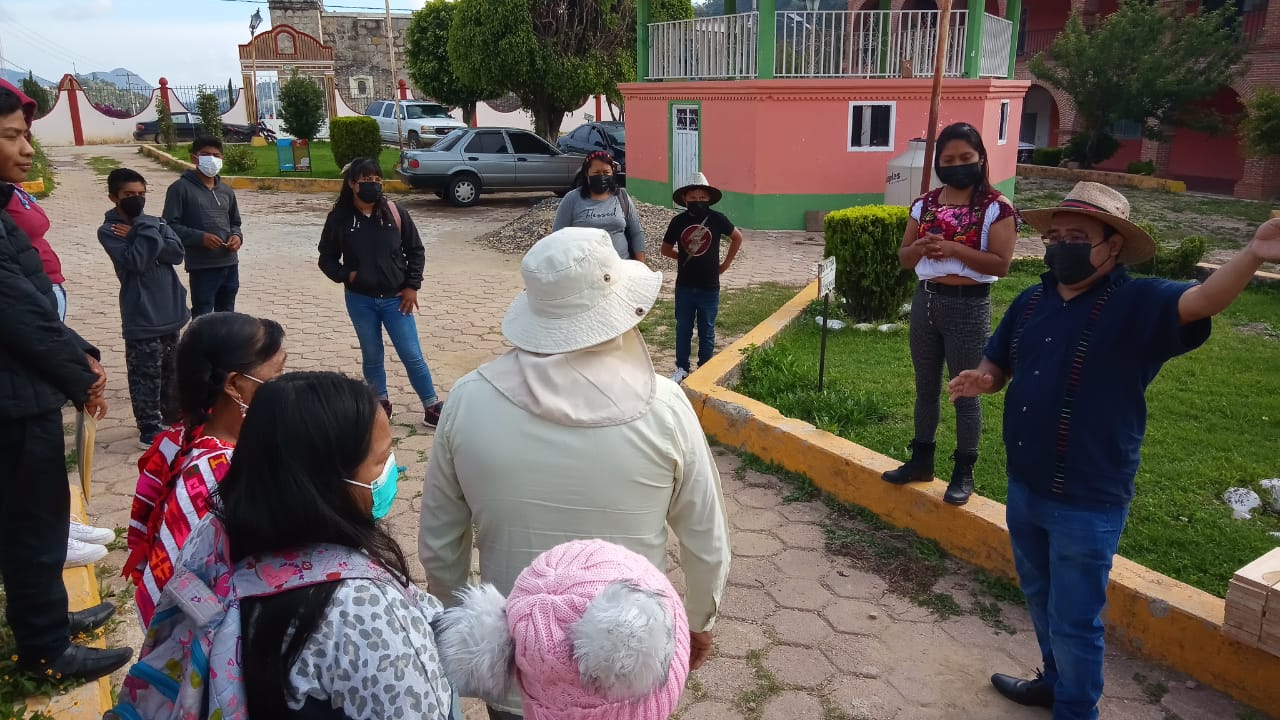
(572, 435)
(1077, 352)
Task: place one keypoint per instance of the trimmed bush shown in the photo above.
(1175, 263)
(238, 158)
(1103, 149)
(1141, 167)
(1048, 157)
(353, 137)
(864, 241)
(302, 107)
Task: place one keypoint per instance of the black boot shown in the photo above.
(80, 663)
(918, 469)
(961, 485)
(90, 619)
(1032, 693)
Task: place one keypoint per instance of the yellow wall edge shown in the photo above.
(1106, 177)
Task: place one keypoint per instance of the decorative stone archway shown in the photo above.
(285, 50)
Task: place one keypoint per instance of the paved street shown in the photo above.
(804, 634)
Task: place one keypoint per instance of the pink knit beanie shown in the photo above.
(592, 630)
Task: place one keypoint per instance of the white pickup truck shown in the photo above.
(422, 121)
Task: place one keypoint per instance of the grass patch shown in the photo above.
(16, 686)
(322, 163)
(1153, 690)
(103, 165)
(1214, 420)
(741, 309)
(751, 701)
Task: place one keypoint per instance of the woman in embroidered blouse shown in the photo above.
(222, 359)
(959, 240)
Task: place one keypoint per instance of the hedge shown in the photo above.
(353, 137)
(1049, 157)
(864, 241)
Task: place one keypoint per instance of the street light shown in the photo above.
(254, 22)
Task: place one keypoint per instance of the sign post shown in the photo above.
(826, 283)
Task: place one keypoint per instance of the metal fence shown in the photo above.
(188, 95)
(114, 100)
(997, 35)
(867, 44)
(704, 48)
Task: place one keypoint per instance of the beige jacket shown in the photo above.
(537, 450)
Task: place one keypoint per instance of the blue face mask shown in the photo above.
(383, 488)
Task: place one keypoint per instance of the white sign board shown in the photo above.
(826, 276)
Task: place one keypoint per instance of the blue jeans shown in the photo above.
(214, 289)
(1063, 554)
(700, 305)
(369, 315)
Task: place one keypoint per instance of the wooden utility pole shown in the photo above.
(939, 68)
(391, 51)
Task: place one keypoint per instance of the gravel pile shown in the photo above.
(517, 236)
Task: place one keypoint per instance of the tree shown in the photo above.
(1144, 63)
(302, 107)
(1261, 129)
(164, 122)
(426, 51)
(552, 54)
(37, 92)
(209, 112)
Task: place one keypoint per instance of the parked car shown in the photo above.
(423, 122)
(609, 136)
(187, 126)
(471, 161)
(1025, 152)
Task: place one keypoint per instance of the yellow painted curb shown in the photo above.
(35, 187)
(1106, 177)
(91, 700)
(1150, 614)
(1275, 213)
(298, 184)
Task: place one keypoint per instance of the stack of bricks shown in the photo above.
(1253, 604)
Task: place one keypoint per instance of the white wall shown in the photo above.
(488, 117)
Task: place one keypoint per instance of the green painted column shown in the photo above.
(1014, 13)
(642, 40)
(766, 38)
(886, 27)
(730, 7)
(973, 39)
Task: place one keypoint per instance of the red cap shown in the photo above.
(28, 105)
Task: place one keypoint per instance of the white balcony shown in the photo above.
(721, 47)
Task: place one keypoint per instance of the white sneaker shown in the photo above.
(81, 553)
(90, 534)
(679, 375)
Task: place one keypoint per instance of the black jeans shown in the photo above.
(214, 289)
(35, 504)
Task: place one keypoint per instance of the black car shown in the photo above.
(609, 136)
(187, 126)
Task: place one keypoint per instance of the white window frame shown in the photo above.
(1006, 109)
(893, 124)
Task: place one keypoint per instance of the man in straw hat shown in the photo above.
(571, 435)
(693, 240)
(1077, 352)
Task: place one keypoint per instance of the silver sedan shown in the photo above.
(471, 161)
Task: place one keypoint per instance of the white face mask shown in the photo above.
(209, 165)
(244, 407)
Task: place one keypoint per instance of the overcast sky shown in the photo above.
(186, 41)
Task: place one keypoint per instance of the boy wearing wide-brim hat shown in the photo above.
(693, 240)
(1077, 352)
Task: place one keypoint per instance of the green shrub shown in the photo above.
(1077, 148)
(1261, 127)
(1141, 167)
(210, 115)
(238, 158)
(1177, 263)
(40, 168)
(302, 107)
(353, 137)
(864, 241)
(164, 123)
(1049, 157)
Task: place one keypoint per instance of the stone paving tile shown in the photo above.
(914, 667)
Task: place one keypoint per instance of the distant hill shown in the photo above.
(122, 78)
(17, 76)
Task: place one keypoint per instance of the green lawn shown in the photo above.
(1214, 423)
(322, 163)
(740, 310)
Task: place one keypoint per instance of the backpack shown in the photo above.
(189, 667)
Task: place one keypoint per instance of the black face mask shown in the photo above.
(599, 184)
(698, 208)
(369, 192)
(132, 205)
(960, 177)
(1070, 262)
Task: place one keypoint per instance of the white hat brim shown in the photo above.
(629, 301)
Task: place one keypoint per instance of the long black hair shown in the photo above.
(304, 434)
(967, 133)
(213, 347)
(345, 206)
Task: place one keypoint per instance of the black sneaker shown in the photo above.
(433, 415)
(146, 439)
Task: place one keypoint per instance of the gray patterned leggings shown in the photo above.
(951, 330)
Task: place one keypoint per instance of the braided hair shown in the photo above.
(213, 347)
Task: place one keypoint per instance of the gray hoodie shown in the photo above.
(192, 210)
(153, 302)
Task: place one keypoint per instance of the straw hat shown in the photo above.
(578, 293)
(1107, 205)
(696, 181)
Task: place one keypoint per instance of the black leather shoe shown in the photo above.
(1032, 693)
(961, 485)
(80, 663)
(90, 619)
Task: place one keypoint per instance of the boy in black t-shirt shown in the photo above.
(693, 239)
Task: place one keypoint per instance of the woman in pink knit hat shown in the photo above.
(591, 631)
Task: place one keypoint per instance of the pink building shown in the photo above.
(791, 112)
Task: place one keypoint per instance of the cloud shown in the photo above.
(81, 10)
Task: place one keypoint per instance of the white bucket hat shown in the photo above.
(578, 293)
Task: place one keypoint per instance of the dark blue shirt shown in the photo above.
(1075, 410)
